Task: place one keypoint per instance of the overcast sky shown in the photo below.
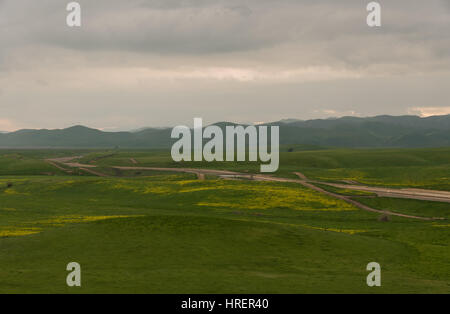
(137, 63)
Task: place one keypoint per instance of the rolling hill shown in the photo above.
(379, 131)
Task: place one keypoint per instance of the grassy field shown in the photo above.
(419, 168)
(150, 232)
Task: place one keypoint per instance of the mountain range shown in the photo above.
(379, 131)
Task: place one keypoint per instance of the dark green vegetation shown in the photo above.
(154, 232)
(31, 162)
(380, 131)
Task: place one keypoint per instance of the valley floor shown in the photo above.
(193, 231)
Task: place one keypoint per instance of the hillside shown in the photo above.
(380, 131)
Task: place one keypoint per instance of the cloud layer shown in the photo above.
(159, 62)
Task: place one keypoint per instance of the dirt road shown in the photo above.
(54, 164)
(185, 170)
(95, 173)
(430, 195)
(133, 161)
(362, 206)
(420, 194)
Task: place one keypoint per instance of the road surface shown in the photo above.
(419, 194)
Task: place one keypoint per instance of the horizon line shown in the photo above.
(138, 129)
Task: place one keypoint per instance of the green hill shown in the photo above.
(380, 131)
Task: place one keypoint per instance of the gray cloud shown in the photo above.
(322, 32)
(211, 50)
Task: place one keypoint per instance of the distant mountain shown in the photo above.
(289, 120)
(379, 131)
(147, 128)
(437, 122)
(83, 137)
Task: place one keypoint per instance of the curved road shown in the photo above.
(429, 195)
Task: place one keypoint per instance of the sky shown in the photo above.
(157, 63)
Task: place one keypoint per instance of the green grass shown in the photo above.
(155, 232)
(182, 254)
(410, 207)
(419, 168)
(31, 162)
(168, 243)
(15, 164)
